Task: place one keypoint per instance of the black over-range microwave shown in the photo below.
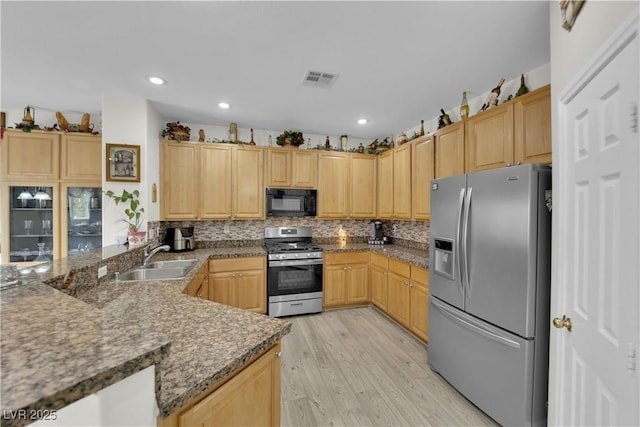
(291, 202)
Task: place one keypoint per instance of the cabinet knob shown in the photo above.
(279, 354)
(233, 274)
(239, 274)
(344, 268)
(518, 163)
(508, 164)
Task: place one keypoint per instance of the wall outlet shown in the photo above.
(226, 229)
(102, 271)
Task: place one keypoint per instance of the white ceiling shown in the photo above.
(398, 62)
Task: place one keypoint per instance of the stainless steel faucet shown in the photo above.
(148, 255)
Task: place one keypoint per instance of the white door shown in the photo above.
(593, 372)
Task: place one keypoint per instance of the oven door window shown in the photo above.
(296, 279)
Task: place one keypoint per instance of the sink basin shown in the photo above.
(176, 263)
(154, 274)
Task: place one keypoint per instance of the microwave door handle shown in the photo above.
(305, 204)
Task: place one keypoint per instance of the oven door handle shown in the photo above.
(295, 262)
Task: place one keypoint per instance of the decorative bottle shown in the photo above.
(327, 144)
(464, 106)
(492, 99)
(421, 127)
(523, 88)
(445, 118)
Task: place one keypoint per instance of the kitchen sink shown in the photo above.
(154, 274)
(176, 263)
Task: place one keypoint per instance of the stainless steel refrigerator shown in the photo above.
(490, 257)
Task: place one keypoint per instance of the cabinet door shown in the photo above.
(419, 293)
(489, 139)
(222, 287)
(81, 157)
(334, 285)
(251, 291)
(215, 181)
(279, 164)
(179, 193)
(421, 175)
(30, 155)
(363, 186)
(304, 169)
(333, 185)
(385, 185)
(532, 124)
(249, 183)
(379, 287)
(398, 304)
(449, 151)
(358, 284)
(402, 182)
(251, 398)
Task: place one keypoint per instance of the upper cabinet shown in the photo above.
(385, 185)
(402, 182)
(362, 179)
(81, 157)
(489, 139)
(449, 150)
(532, 127)
(333, 185)
(422, 172)
(30, 155)
(291, 168)
(211, 181)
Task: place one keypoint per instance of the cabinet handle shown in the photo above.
(406, 283)
(239, 274)
(508, 164)
(344, 268)
(350, 267)
(279, 354)
(518, 163)
(233, 274)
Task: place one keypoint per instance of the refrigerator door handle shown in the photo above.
(476, 328)
(458, 249)
(466, 283)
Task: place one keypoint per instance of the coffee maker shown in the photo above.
(180, 239)
(376, 233)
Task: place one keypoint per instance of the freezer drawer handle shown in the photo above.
(478, 329)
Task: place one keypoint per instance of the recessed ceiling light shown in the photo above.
(156, 80)
(224, 105)
(362, 121)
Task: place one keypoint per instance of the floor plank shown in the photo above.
(356, 367)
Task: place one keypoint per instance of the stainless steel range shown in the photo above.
(294, 271)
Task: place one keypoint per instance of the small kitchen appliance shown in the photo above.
(180, 239)
(376, 233)
(294, 271)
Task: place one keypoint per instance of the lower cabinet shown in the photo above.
(419, 302)
(346, 278)
(250, 398)
(239, 282)
(399, 298)
(379, 279)
(199, 285)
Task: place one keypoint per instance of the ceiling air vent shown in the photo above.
(319, 79)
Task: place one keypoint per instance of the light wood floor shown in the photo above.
(356, 367)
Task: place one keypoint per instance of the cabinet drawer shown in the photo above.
(420, 275)
(400, 268)
(235, 264)
(346, 258)
(379, 260)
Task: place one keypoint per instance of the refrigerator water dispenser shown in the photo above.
(444, 258)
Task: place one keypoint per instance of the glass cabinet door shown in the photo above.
(31, 223)
(84, 219)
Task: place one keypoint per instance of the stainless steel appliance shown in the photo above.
(489, 307)
(180, 239)
(376, 233)
(290, 202)
(294, 271)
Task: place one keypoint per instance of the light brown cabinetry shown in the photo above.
(239, 282)
(379, 276)
(362, 186)
(449, 150)
(211, 181)
(385, 185)
(402, 182)
(291, 168)
(333, 185)
(250, 398)
(81, 157)
(199, 285)
(532, 127)
(489, 139)
(399, 298)
(419, 302)
(422, 172)
(30, 155)
(346, 278)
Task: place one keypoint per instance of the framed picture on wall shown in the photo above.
(123, 162)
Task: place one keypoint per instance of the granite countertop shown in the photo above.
(416, 257)
(57, 348)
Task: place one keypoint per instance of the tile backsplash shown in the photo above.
(208, 233)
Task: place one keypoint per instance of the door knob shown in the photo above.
(565, 322)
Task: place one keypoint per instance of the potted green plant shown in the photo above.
(133, 214)
(290, 137)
